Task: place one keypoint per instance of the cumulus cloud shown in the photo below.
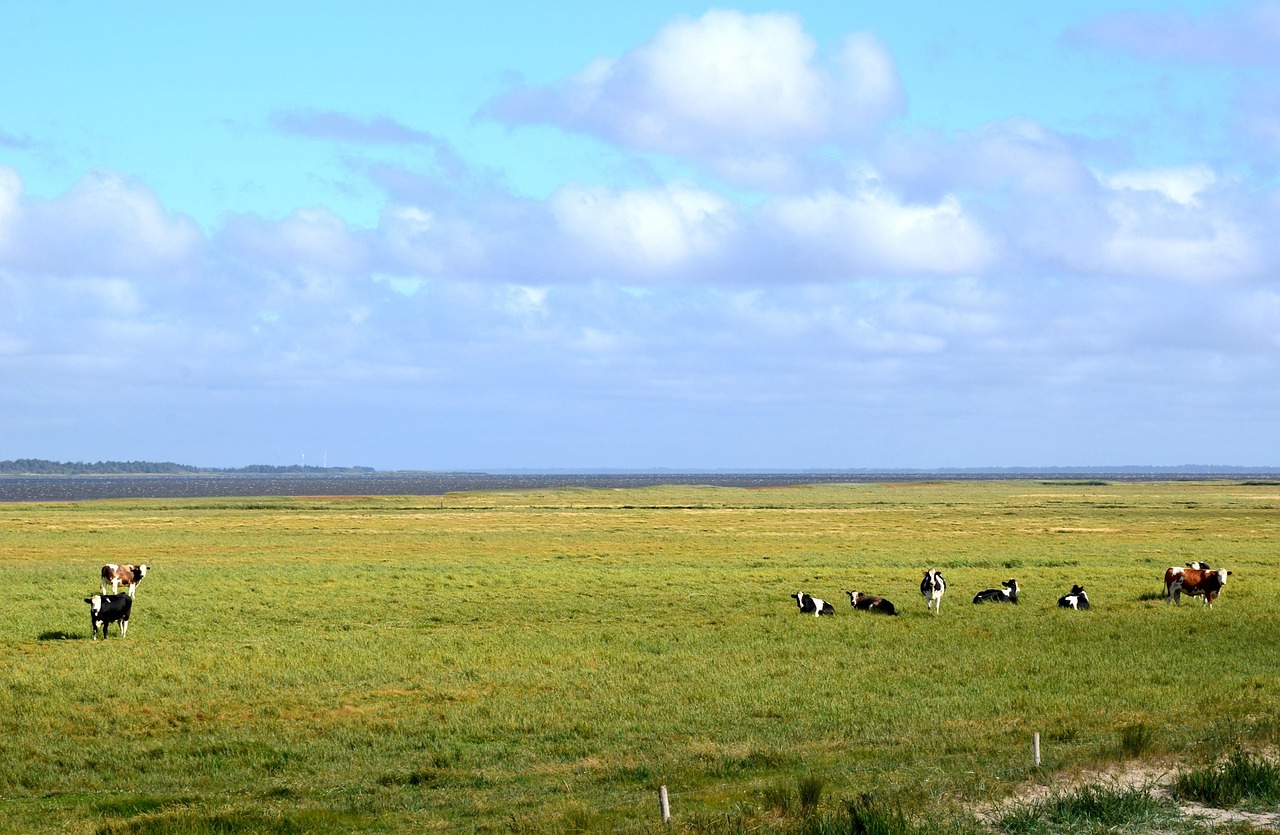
(868, 230)
(105, 225)
(725, 84)
(651, 232)
(309, 241)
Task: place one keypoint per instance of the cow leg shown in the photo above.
(124, 627)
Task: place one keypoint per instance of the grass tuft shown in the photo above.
(871, 816)
(809, 791)
(1089, 809)
(1137, 740)
(1241, 779)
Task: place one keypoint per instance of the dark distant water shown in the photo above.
(79, 488)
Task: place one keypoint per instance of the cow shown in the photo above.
(109, 608)
(933, 587)
(812, 605)
(1200, 564)
(1074, 599)
(130, 575)
(1008, 594)
(1195, 582)
(870, 603)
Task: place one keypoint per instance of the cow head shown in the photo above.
(95, 604)
(1011, 585)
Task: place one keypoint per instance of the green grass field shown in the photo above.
(544, 661)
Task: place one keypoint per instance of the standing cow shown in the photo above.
(130, 575)
(1195, 582)
(933, 587)
(105, 609)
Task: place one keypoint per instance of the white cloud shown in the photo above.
(722, 84)
(105, 225)
(312, 241)
(1180, 184)
(644, 232)
(870, 231)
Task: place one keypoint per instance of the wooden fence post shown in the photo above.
(1037, 748)
(665, 805)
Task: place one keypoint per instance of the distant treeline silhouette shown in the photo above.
(39, 466)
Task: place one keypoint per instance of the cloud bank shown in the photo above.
(819, 275)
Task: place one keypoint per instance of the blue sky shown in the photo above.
(409, 235)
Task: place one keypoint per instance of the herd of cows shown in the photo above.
(1197, 579)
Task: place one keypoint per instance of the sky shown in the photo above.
(493, 235)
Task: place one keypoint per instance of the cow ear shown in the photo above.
(88, 600)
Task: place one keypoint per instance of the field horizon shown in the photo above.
(539, 660)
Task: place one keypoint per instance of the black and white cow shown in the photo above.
(1199, 565)
(1008, 594)
(812, 605)
(109, 608)
(933, 587)
(130, 575)
(870, 603)
(1074, 599)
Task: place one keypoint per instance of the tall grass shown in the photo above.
(1241, 779)
(1090, 809)
(487, 661)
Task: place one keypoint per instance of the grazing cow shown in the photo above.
(1194, 582)
(1200, 564)
(130, 575)
(933, 587)
(870, 603)
(109, 608)
(1008, 594)
(1074, 599)
(812, 605)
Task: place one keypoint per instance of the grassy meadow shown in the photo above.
(544, 661)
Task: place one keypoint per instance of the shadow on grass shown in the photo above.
(59, 635)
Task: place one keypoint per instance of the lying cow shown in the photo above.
(1194, 582)
(1008, 594)
(130, 575)
(105, 609)
(933, 587)
(812, 605)
(1074, 599)
(870, 603)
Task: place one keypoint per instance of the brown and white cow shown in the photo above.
(1195, 582)
(129, 575)
(870, 603)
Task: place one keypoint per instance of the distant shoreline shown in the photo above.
(86, 487)
(34, 467)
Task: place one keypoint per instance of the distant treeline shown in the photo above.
(38, 466)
